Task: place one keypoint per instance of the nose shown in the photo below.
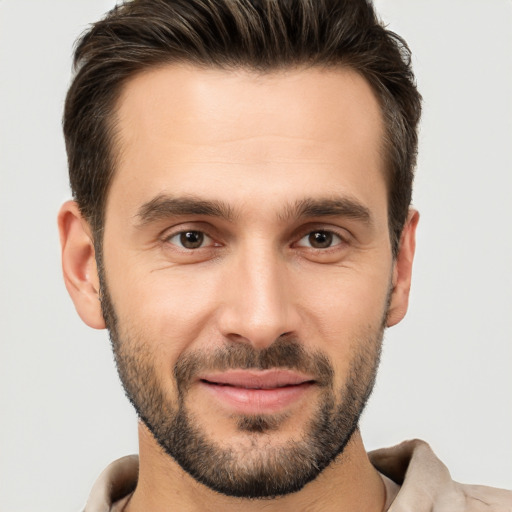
(259, 307)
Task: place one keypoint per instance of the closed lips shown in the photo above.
(262, 379)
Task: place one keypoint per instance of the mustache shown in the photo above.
(284, 353)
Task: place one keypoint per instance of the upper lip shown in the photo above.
(257, 379)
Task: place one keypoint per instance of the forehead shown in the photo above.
(213, 129)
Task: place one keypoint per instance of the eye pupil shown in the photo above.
(191, 239)
(320, 239)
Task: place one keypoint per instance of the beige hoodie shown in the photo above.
(424, 484)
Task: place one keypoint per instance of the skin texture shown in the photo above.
(258, 147)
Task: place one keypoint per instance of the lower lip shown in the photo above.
(257, 401)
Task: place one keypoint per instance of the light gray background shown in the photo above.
(446, 370)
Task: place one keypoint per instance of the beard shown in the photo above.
(259, 469)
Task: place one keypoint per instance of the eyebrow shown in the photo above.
(164, 206)
(329, 207)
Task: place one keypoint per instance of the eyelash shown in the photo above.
(180, 234)
(328, 235)
(333, 238)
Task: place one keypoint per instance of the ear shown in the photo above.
(79, 264)
(402, 270)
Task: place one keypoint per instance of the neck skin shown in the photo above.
(350, 483)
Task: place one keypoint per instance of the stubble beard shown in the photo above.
(267, 470)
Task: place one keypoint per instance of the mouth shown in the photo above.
(256, 391)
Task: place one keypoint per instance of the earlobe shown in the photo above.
(79, 264)
(402, 270)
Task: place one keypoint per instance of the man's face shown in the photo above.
(247, 267)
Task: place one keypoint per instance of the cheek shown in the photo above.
(345, 313)
(169, 310)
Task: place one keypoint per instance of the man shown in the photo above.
(242, 175)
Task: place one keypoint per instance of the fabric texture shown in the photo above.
(422, 484)
(426, 484)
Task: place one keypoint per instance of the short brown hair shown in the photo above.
(263, 35)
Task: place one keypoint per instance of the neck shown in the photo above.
(348, 483)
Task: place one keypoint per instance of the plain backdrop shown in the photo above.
(446, 370)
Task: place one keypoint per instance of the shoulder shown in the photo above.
(482, 498)
(114, 485)
(426, 484)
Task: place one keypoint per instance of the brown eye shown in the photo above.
(320, 240)
(189, 239)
